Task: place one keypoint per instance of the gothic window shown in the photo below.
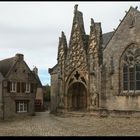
(138, 77)
(130, 78)
(125, 77)
(130, 63)
(23, 87)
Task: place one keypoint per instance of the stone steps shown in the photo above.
(77, 114)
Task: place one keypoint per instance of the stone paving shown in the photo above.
(45, 124)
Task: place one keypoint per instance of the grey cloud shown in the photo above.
(34, 28)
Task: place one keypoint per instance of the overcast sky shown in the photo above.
(33, 28)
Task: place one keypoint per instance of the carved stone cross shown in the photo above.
(77, 75)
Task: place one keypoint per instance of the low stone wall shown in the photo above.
(101, 113)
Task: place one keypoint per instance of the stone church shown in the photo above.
(98, 72)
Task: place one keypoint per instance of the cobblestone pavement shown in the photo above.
(45, 124)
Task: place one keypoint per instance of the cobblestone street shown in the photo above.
(45, 124)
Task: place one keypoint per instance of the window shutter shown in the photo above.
(16, 103)
(27, 106)
(18, 87)
(35, 88)
(32, 88)
(9, 86)
(23, 87)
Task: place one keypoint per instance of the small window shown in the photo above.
(28, 88)
(13, 87)
(21, 106)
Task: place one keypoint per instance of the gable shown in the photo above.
(15, 68)
(106, 38)
(127, 32)
(127, 26)
(20, 71)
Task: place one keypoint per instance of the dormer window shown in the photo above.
(13, 86)
(28, 88)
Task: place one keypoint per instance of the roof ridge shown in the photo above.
(7, 59)
(121, 23)
(108, 32)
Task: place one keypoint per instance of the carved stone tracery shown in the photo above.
(129, 77)
(131, 56)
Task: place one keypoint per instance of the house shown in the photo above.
(18, 86)
(39, 99)
(98, 72)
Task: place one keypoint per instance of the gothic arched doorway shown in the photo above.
(77, 96)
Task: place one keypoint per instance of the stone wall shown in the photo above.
(1, 101)
(10, 107)
(54, 91)
(125, 35)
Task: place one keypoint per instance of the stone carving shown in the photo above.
(77, 75)
(132, 20)
(61, 102)
(93, 99)
(131, 56)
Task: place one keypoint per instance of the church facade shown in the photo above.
(98, 72)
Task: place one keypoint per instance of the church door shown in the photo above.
(77, 98)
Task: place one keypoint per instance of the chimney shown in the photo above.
(35, 70)
(20, 56)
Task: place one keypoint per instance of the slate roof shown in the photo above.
(38, 79)
(107, 37)
(53, 69)
(6, 65)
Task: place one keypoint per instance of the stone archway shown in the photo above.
(77, 97)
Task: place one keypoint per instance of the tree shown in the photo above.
(47, 93)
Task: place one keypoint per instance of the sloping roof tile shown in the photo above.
(107, 37)
(6, 65)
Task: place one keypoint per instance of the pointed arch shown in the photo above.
(130, 70)
(77, 96)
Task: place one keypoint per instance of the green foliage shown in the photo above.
(47, 93)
